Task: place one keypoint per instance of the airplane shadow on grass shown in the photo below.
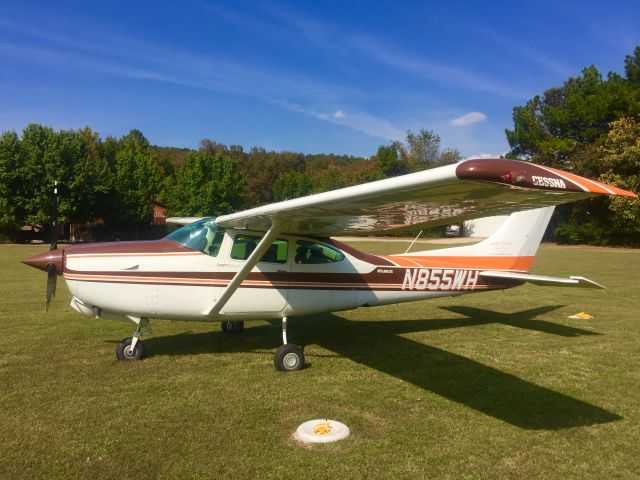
(378, 345)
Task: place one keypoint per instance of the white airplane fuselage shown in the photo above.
(163, 279)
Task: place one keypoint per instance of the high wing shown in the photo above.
(448, 194)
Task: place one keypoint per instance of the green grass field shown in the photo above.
(492, 385)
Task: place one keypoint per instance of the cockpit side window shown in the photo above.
(316, 253)
(244, 245)
(204, 236)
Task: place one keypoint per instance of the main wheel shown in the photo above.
(232, 326)
(288, 358)
(125, 352)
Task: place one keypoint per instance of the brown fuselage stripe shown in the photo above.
(393, 280)
(162, 246)
(314, 286)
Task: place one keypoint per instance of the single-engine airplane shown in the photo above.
(278, 260)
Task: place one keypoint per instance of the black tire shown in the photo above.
(232, 326)
(289, 358)
(123, 351)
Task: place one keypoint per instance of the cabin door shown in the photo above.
(265, 289)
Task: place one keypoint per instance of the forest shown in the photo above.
(589, 125)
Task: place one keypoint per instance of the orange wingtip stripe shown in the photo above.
(593, 186)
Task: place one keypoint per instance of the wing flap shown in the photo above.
(542, 280)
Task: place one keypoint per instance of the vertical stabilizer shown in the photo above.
(518, 238)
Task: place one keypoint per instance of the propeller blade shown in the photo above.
(52, 277)
(54, 218)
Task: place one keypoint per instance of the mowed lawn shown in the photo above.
(492, 385)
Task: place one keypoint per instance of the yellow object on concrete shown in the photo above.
(581, 316)
(323, 428)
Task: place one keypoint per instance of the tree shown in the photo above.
(423, 150)
(47, 158)
(387, 163)
(291, 185)
(212, 148)
(330, 178)
(206, 184)
(568, 127)
(261, 169)
(89, 185)
(551, 128)
(621, 159)
(137, 179)
(11, 157)
(632, 66)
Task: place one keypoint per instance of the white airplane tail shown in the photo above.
(511, 247)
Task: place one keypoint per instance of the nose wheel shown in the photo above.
(288, 357)
(132, 348)
(127, 349)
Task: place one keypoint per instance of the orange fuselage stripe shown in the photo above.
(481, 263)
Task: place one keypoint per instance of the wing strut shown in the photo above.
(251, 262)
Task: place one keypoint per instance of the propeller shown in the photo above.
(52, 270)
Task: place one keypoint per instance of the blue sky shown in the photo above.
(341, 77)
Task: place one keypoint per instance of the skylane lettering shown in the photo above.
(439, 279)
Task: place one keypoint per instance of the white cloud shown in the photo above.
(446, 74)
(131, 58)
(468, 119)
(361, 121)
(371, 125)
(333, 39)
(486, 155)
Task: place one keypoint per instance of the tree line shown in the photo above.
(590, 125)
(116, 179)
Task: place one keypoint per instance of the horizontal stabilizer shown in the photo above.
(543, 280)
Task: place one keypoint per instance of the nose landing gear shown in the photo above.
(132, 348)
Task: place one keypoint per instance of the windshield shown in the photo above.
(204, 236)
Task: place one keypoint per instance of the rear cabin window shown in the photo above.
(204, 236)
(244, 245)
(316, 253)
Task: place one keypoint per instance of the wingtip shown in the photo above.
(585, 282)
(516, 173)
